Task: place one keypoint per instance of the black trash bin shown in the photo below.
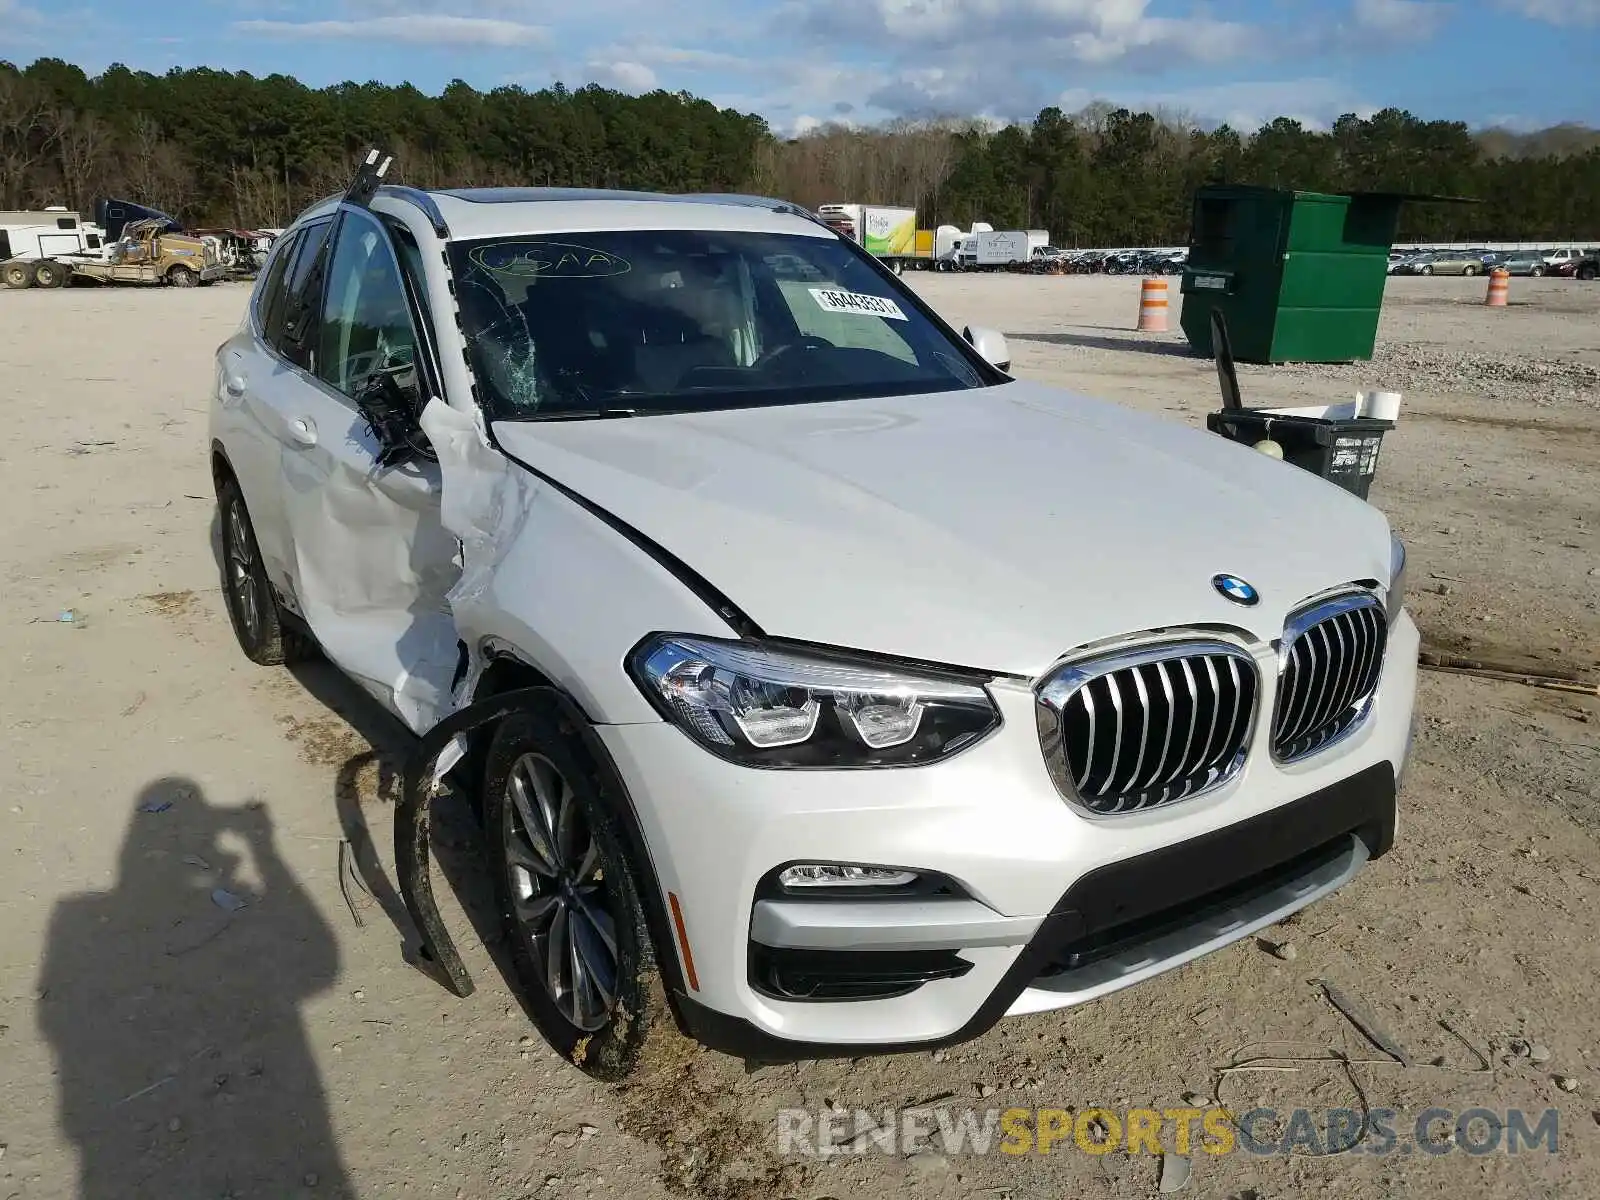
(1343, 450)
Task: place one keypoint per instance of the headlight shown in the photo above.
(765, 707)
(1396, 598)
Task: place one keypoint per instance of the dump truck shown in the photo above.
(145, 253)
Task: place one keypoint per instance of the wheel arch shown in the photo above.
(221, 469)
(509, 684)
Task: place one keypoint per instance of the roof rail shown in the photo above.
(766, 202)
(421, 200)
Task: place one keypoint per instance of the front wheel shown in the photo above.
(1425, 271)
(1470, 271)
(182, 277)
(1536, 272)
(568, 899)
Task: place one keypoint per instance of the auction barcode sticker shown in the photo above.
(858, 304)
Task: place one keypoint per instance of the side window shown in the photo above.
(296, 337)
(366, 323)
(269, 297)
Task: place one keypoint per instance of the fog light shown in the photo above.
(817, 875)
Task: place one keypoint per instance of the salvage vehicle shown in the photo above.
(1585, 266)
(143, 254)
(822, 689)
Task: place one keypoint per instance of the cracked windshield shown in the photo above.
(603, 324)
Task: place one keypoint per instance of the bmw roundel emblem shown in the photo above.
(1235, 589)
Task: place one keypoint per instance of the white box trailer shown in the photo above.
(882, 231)
(45, 233)
(997, 248)
(949, 241)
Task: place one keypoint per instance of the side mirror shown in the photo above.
(990, 343)
(388, 403)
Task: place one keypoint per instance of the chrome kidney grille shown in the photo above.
(1147, 727)
(1332, 657)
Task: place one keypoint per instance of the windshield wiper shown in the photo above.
(580, 414)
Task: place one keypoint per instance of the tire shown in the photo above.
(47, 274)
(1587, 273)
(17, 275)
(1424, 270)
(252, 608)
(182, 277)
(537, 773)
(1470, 271)
(1536, 272)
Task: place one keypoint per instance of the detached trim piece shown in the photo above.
(412, 827)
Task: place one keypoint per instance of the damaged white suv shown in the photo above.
(797, 656)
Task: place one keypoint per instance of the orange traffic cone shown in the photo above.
(1499, 288)
(1153, 306)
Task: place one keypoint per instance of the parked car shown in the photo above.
(1440, 262)
(1558, 258)
(756, 613)
(1525, 262)
(1587, 266)
(1409, 264)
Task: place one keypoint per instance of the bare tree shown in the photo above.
(26, 136)
(143, 166)
(83, 145)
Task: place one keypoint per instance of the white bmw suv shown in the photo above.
(822, 688)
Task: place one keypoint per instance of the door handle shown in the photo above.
(303, 430)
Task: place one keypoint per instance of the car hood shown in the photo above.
(995, 528)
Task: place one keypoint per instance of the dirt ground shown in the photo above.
(189, 1008)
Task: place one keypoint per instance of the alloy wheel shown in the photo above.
(241, 570)
(558, 893)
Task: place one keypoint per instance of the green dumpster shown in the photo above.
(1299, 275)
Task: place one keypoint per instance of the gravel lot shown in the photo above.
(154, 1044)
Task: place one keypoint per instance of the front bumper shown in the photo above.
(213, 271)
(1059, 908)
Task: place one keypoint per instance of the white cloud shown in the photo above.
(1400, 18)
(1557, 12)
(1032, 32)
(657, 54)
(623, 75)
(425, 29)
(14, 13)
(1245, 105)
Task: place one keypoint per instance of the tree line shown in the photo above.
(220, 148)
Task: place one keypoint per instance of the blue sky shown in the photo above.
(1521, 63)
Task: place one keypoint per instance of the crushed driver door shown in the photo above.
(372, 565)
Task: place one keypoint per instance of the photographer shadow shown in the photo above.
(171, 1002)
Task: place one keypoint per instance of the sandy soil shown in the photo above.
(157, 1040)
